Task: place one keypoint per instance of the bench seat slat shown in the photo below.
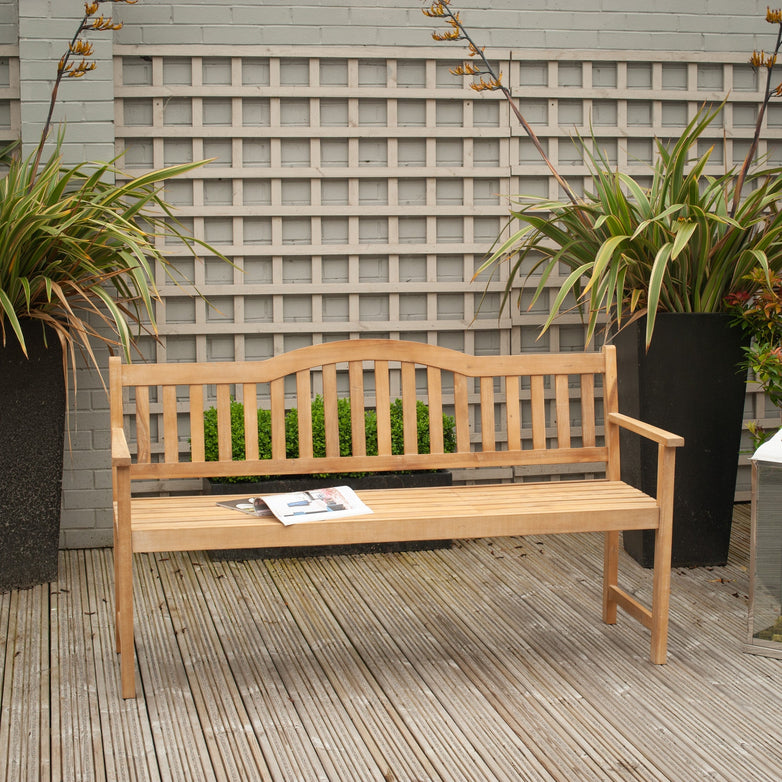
(401, 514)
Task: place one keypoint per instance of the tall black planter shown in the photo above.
(688, 383)
(32, 425)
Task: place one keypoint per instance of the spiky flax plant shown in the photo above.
(78, 244)
(682, 244)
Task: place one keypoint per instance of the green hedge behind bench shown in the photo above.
(318, 432)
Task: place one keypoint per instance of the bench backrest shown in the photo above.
(549, 408)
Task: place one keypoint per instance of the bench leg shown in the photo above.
(610, 576)
(123, 586)
(117, 642)
(663, 542)
(124, 623)
(661, 594)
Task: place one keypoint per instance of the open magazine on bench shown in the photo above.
(303, 506)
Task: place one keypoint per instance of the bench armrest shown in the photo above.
(120, 453)
(660, 436)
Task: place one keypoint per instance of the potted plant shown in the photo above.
(759, 315)
(655, 265)
(77, 269)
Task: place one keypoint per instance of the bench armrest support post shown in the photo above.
(667, 443)
(123, 560)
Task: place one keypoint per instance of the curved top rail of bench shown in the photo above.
(345, 351)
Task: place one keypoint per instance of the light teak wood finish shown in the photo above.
(525, 391)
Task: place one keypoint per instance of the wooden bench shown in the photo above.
(531, 399)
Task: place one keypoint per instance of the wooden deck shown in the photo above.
(486, 661)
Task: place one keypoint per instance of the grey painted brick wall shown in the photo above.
(85, 104)
(8, 22)
(698, 25)
(87, 501)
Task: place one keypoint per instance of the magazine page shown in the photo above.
(315, 505)
(254, 506)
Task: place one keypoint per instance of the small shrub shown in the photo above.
(759, 315)
(422, 421)
(319, 433)
(237, 438)
(319, 428)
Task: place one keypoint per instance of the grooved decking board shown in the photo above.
(485, 661)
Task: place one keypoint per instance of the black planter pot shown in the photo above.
(32, 426)
(302, 483)
(689, 383)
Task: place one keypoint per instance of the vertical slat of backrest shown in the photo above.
(562, 394)
(383, 408)
(588, 427)
(143, 445)
(610, 405)
(434, 384)
(538, 412)
(170, 429)
(462, 413)
(409, 414)
(331, 409)
(249, 398)
(357, 427)
(197, 452)
(224, 439)
(512, 413)
(277, 401)
(304, 408)
(487, 414)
